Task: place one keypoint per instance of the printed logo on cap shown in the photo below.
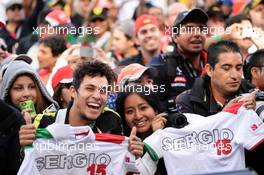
(97, 11)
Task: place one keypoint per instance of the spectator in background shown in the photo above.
(100, 35)
(255, 10)
(254, 69)
(17, 26)
(15, 16)
(123, 43)
(216, 20)
(226, 7)
(50, 49)
(81, 10)
(177, 70)
(27, 42)
(61, 83)
(55, 22)
(243, 40)
(147, 36)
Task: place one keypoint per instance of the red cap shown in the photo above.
(57, 18)
(63, 75)
(144, 20)
(133, 72)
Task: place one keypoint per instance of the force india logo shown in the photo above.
(205, 140)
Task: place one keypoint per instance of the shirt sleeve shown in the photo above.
(250, 129)
(152, 145)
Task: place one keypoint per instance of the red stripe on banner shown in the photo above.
(233, 108)
(257, 144)
(82, 133)
(110, 138)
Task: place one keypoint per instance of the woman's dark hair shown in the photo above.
(57, 93)
(143, 91)
(254, 60)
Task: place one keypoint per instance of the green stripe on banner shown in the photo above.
(43, 133)
(151, 152)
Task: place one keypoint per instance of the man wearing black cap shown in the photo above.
(100, 36)
(178, 69)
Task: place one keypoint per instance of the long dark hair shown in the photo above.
(143, 91)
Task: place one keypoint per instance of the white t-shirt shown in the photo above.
(61, 149)
(208, 144)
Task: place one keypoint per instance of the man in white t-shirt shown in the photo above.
(206, 145)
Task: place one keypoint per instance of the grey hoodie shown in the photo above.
(16, 68)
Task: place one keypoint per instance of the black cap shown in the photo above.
(215, 11)
(194, 15)
(98, 13)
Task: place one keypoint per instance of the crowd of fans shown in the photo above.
(116, 65)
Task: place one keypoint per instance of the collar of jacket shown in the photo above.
(200, 93)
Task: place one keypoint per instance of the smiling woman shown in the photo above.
(141, 109)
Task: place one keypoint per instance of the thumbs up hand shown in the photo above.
(135, 144)
(27, 132)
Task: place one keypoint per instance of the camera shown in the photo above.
(174, 117)
(260, 104)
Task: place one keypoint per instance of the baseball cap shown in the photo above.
(144, 20)
(63, 75)
(215, 11)
(11, 3)
(57, 18)
(193, 15)
(133, 72)
(98, 13)
(252, 4)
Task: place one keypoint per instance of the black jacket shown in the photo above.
(10, 122)
(176, 73)
(199, 99)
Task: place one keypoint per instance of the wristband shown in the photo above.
(217, 38)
